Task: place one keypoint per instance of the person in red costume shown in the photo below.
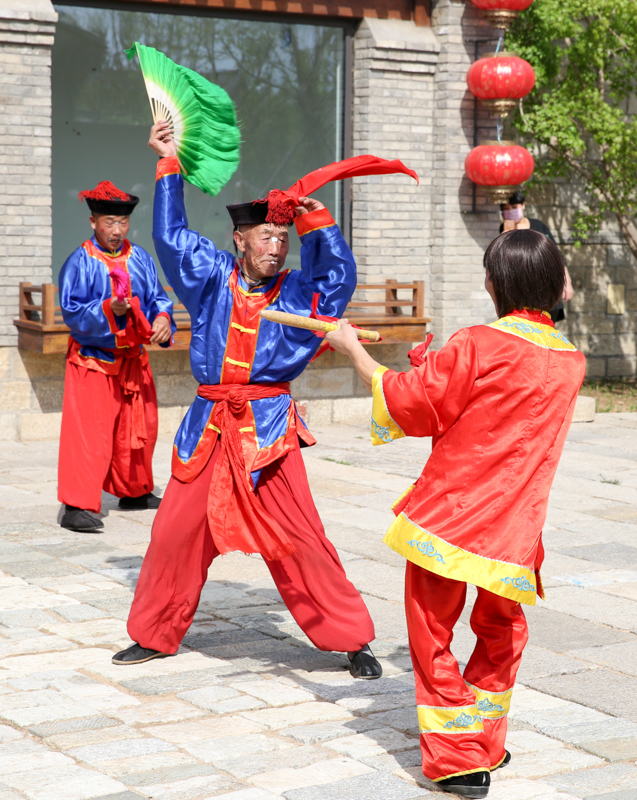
(497, 401)
(112, 301)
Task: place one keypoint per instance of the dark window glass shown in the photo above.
(286, 81)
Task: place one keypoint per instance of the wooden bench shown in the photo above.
(42, 329)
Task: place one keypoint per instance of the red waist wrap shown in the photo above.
(128, 366)
(237, 520)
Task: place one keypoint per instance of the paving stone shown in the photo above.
(585, 604)
(68, 726)
(94, 753)
(611, 554)
(167, 775)
(192, 788)
(208, 696)
(121, 768)
(119, 796)
(601, 689)
(374, 784)
(293, 715)
(626, 794)
(79, 613)
(248, 794)
(27, 618)
(167, 684)
(339, 690)
(223, 748)
(373, 703)
(621, 657)
(21, 755)
(590, 782)
(326, 731)
(521, 789)
(167, 711)
(281, 781)
(274, 693)
(8, 734)
(538, 662)
(290, 757)
(372, 743)
(612, 749)
(404, 719)
(210, 728)
(549, 761)
(31, 708)
(65, 783)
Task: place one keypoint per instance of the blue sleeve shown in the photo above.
(83, 291)
(328, 269)
(188, 259)
(157, 301)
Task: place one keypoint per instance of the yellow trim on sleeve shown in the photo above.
(457, 719)
(384, 429)
(442, 558)
(492, 705)
(213, 427)
(402, 496)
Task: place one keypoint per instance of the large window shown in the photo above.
(286, 81)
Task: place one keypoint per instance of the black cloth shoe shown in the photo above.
(136, 654)
(77, 519)
(474, 785)
(139, 503)
(504, 762)
(363, 664)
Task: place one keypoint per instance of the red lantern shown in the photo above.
(500, 81)
(501, 13)
(499, 167)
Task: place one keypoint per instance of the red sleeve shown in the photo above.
(427, 400)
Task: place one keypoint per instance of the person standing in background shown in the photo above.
(514, 213)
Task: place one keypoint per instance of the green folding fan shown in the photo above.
(201, 114)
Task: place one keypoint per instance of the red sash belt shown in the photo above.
(237, 520)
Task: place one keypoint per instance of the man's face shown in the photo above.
(110, 231)
(264, 248)
(508, 206)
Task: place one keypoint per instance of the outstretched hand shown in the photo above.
(161, 139)
(308, 204)
(345, 339)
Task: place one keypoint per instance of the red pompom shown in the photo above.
(104, 190)
(280, 208)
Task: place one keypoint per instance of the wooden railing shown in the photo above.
(41, 327)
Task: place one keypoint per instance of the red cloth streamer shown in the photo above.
(104, 190)
(121, 283)
(417, 356)
(281, 204)
(138, 332)
(236, 518)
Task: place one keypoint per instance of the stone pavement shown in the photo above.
(248, 710)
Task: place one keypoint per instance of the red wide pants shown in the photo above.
(95, 441)
(311, 581)
(462, 718)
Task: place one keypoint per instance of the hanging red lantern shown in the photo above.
(501, 13)
(500, 81)
(499, 167)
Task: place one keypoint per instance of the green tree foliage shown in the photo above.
(582, 113)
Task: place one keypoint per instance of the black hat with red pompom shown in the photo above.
(108, 199)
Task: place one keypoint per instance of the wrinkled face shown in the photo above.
(110, 231)
(264, 249)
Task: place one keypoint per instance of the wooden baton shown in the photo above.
(298, 321)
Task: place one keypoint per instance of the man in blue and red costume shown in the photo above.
(238, 479)
(112, 301)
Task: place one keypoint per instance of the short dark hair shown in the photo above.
(516, 199)
(526, 269)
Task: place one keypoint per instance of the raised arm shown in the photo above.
(188, 259)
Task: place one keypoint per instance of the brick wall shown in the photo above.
(26, 38)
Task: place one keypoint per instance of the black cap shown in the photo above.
(116, 208)
(248, 213)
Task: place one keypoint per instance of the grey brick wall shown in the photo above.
(26, 38)
(411, 102)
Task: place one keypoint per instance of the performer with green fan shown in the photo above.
(238, 479)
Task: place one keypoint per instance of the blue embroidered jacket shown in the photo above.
(86, 292)
(230, 342)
